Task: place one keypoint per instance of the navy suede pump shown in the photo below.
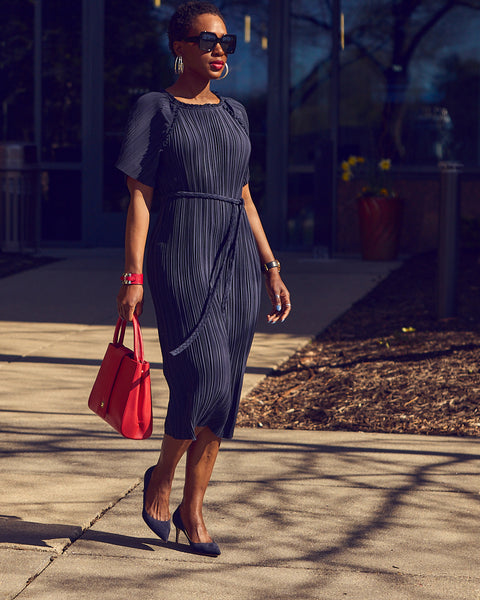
(160, 528)
(206, 548)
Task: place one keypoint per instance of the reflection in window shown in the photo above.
(248, 78)
(137, 61)
(309, 69)
(310, 72)
(16, 70)
(61, 81)
(410, 81)
(61, 205)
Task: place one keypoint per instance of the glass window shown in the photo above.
(61, 81)
(247, 80)
(410, 92)
(61, 205)
(310, 72)
(16, 70)
(137, 61)
(410, 82)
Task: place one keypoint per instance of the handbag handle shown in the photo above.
(119, 336)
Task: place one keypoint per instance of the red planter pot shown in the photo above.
(380, 221)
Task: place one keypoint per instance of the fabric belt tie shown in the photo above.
(223, 263)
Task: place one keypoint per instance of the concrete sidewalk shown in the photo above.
(297, 514)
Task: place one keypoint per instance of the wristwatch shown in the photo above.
(271, 265)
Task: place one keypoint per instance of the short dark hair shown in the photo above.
(182, 19)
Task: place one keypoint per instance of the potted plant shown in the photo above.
(380, 210)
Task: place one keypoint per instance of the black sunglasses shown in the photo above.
(207, 41)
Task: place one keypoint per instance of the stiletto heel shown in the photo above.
(160, 528)
(205, 548)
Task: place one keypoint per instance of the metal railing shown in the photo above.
(18, 197)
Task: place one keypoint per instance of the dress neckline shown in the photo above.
(191, 104)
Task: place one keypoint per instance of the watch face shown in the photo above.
(271, 265)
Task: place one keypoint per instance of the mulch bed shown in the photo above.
(387, 365)
(14, 262)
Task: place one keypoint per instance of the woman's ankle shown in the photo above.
(157, 500)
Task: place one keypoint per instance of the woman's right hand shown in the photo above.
(130, 301)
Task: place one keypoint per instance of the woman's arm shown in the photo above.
(276, 289)
(130, 297)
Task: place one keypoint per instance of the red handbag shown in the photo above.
(121, 394)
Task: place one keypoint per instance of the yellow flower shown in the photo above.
(376, 177)
(385, 164)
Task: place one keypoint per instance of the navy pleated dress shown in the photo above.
(202, 261)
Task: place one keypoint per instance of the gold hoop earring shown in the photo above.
(178, 68)
(226, 72)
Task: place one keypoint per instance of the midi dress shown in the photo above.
(202, 261)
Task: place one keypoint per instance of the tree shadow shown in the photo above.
(96, 362)
(403, 484)
(407, 357)
(258, 497)
(15, 531)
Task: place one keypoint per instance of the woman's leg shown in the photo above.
(158, 493)
(201, 457)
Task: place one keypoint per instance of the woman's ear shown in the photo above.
(177, 48)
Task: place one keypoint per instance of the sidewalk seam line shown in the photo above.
(56, 554)
(99, 515)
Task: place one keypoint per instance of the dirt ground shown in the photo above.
(386, 365)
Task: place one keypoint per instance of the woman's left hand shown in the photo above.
(279, 297)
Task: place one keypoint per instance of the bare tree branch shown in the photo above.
(426, 27)
(312, 21)
(475, 4)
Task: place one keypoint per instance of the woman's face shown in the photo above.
(208, 65)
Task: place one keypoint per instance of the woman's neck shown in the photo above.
(191, 89)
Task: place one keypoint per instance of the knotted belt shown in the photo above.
(223, 263)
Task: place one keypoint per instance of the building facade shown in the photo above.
(322, 81)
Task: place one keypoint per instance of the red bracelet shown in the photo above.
(132, 278)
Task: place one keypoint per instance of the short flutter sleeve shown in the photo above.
(146, 135)
(238, 112)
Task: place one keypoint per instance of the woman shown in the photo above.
(204, 261)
